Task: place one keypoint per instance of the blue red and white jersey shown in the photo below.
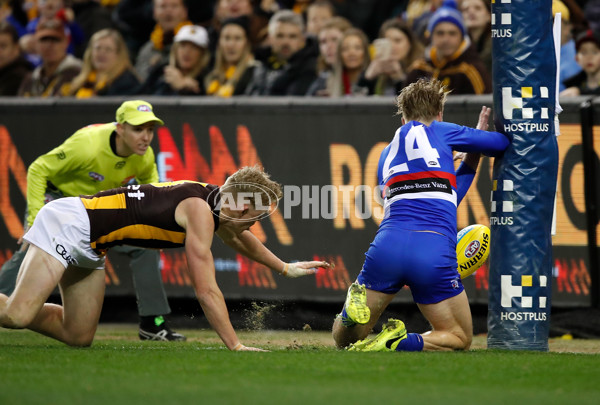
(416, 171)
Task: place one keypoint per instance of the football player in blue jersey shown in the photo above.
(415, 244)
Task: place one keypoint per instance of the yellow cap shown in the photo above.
(136, 112)
(559, 7)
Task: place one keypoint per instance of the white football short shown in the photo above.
(62, 229)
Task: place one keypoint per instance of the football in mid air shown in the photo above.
(472, 248)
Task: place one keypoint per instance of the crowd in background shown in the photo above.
(225, 48)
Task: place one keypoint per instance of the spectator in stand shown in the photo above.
(451, 57)
(13, 65)
(395, 52)
(106, 70)
(288, 67)
(363, 14)
(57, 67)
(577, 16)
(188, 64)
(591, 11)
(30, 8)
(13, 13)
(170, 17)
(417, 15)
(568, 63)
(477, 15)
(134, 20)
(586, 82)
(382, 11)
(91, 17)
(329, 38)
(234, 61)
(297, 6)
(352, 61)
(317, 14)
(50, 9)
(201, 12)
(258, 19)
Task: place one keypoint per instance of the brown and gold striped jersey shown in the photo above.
(143, 215)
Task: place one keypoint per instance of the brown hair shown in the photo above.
(416, 49)
(335, 80)
(422, 100)
(200, 66)
(220, 68)
(338, 23)
(10, 30)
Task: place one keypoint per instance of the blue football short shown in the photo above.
(423, 261)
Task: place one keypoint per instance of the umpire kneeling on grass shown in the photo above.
(70, 237)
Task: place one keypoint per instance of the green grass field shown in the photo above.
(302, 368)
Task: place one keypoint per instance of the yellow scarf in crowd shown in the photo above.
(109, 3)
(90, 87)
(300, 8)
(161, 38)
(216, 88)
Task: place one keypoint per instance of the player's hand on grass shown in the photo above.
(241, 348)
(299, 269)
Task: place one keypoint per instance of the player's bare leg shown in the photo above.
(377, 303)
(451, 322)
(76, 321)
(38, 276)
(82, 292)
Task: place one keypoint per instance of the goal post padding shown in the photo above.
(524, 179)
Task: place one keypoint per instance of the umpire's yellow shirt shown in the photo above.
(85, 164)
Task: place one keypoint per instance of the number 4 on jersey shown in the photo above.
(417, 146)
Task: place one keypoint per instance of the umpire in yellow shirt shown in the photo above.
(95, 158)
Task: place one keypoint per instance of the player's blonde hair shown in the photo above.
(422, 100)
(254, 180)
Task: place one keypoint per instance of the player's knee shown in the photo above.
(14, 320)
(468, 342)
(80, 340)
(342, 342)
(465, 339)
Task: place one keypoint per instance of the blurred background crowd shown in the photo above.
(226, 48)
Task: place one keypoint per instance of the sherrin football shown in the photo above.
(472, 248)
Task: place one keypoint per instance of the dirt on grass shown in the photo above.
(308, 339)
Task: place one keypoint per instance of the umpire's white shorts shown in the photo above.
(62, 229)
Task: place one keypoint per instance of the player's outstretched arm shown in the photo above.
(248, 245)
(479, 139)
(194, 215)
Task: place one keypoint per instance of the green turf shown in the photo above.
(120, 370)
